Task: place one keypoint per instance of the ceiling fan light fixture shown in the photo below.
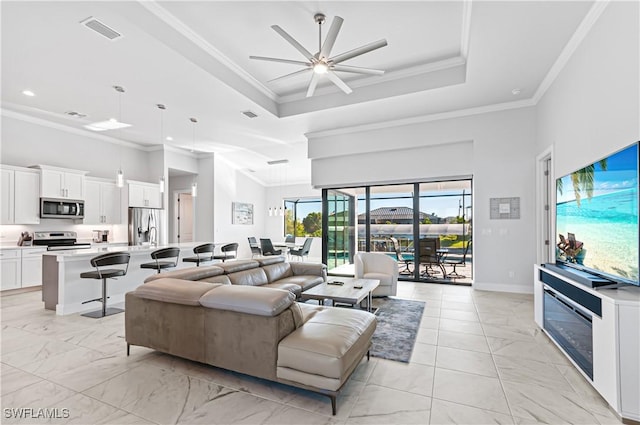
(322, 62)
(320, 68)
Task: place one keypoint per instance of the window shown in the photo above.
(303, 217)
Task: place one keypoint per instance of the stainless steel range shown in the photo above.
(57, 241)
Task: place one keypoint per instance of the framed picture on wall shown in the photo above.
(242, 213)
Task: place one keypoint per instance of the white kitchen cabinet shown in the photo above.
(27, 201)
(102, 202)
(145, 195)
(20, 202)
(7, 196)
(10, 269)
(32, 266)
(61, 182)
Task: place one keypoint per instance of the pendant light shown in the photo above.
(161, 107)
(120, 174)
(194, 185)
(279, 211)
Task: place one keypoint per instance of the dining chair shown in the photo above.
(267, 247)
(255, 248)
(304, 250)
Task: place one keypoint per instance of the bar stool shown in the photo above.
(203, 253)
(109, 259)
(162, 253)
(229, 252)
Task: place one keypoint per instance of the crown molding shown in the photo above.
(424, 118)
(569, 49)
(165, 16)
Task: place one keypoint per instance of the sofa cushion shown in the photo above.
(305, 281)
(223, 279)
(277, 271)
(251, 277)
(248, 299)
(237, 266)
(326, 348)
(271, 259)
(291, 287)
(190, 273)
(177, 291)
(315, 269)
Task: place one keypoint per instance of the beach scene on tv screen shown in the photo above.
(597, 215)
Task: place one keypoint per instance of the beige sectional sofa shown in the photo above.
(270, 272)
(257, 330)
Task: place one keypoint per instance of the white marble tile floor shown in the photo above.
(479, 358)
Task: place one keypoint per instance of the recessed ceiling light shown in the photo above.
(111, 124)
(169, 138)
(28, 93)
(515, 91)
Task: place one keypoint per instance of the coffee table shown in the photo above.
(345, 293)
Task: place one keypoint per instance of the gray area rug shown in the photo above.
(398, 324)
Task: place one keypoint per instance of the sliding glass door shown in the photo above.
(425, 227)
(338, 235)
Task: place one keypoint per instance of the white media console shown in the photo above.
(610, 318)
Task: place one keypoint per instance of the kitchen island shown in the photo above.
(64, 291)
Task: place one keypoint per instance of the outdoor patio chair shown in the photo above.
(403, 259)
(430, 257)
(457, 261)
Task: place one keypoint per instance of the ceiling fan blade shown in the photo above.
(289, 75)
(358, 51)
(312, 84)
(357, 70)
(338, 82)
(293, 42)
(264, 58)
(330, 40)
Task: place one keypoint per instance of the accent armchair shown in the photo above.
(375, 265)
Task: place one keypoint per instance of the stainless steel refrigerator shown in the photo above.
(144, 225)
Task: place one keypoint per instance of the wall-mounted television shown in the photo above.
(597, 227)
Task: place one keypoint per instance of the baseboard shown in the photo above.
(503, 287)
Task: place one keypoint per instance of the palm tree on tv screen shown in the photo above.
(582, 180)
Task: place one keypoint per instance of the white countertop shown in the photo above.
(14, 246)
(73, 254)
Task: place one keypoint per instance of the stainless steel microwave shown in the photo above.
(61, 208)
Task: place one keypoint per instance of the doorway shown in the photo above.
(183, 212)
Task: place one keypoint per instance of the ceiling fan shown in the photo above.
(322, 63)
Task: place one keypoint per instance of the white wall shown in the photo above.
(233, 186)
(25, 143)
(500, 157)
(593, 107)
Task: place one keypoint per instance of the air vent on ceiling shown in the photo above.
(100, 28)
(75, 114)
(278, 161)
(249, 114)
